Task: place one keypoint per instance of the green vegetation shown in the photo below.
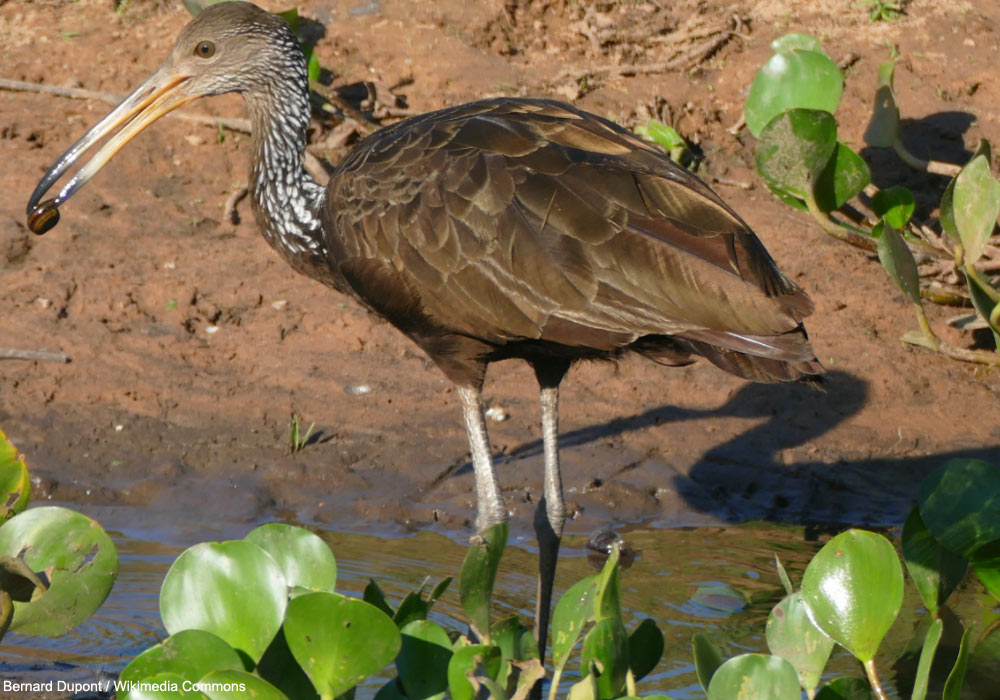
(790, 110)
(297, 439)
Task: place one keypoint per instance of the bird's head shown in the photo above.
(228, 47)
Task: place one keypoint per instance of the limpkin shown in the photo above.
(503, 228)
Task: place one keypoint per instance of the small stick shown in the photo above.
(40, 355)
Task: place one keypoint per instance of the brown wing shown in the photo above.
(529, 219)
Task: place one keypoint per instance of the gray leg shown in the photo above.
(549, 516)
(490, 508)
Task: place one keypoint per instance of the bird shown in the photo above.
(504, 228)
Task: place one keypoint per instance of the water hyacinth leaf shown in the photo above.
(984, 304)
(883, 128)
(897, 259)
(606, 648)
(78, 557)
(976, 202)
(645, 648)
(960, 504)
(464, 661)
(514, 639)
(956, 679)
(15, 484)
(783, 576)
(935, 570)
(845, 688)
(987, 567)
(374, 595)
(664, 135)
(390, 691)
(573, 611)
(279, 668)
(238, 685)
(895, 204)
(707, 659)
(981, 670)
(853, 588)
(413, 607)
(755, 677)
(233, 589)
(719, 597)
(190, 654)
(797, 41)
(789, 80)
(845, 175)
(947, 212)
(922, 677)
(478, 574)
(303, 557)
(339, 641)
(162, 686)
(423, 660)
(607, 599)
(794, 149)
(791, 635)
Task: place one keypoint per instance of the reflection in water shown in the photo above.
(671, 566)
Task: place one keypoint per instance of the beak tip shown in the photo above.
(44, 217)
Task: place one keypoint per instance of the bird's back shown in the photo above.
(532, 226)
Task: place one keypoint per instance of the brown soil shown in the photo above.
(154, 409)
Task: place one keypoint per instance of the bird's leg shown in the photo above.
(551, 512)
(490, 508)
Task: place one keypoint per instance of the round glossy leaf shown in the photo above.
(845, 688)
(237, 685)
(189, 654)
(15, 485)
(755, 677)
(707, 658)
(573, 611)
(465, 660)
(479, 572)
(845, 175)
(279, 668)
(794, 149)
(233, 589)
(78, 558)
(797, 41)
(162, 686)
(339, 641)
(896, 204)
(935, 570)
(987, 566)
(792, 80)
(960, 504)
(423, 660)
(304, 558)
(853, 589)
(792, 636)
(645, 648)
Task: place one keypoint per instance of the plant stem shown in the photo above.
(935, 167)
(873, 680)
(981, 357)
(630, 684)
(925, 326)
(831, 228)
(554, 683)
(987, 288)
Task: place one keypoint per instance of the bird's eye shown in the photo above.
(205, 49)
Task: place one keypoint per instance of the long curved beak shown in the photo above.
(160, 94)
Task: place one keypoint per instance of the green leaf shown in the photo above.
(976, 206)
(645, 648)
(190, 654)
(163, 686)
(78, 558)
(339, 641)
(238, 685)
(606, 648)
(853, 588)
(883, 128)
(313, 67)
(374, 595)
(479, 573)
(783, 576)
(794, 149)
(792, 636)
(572, 613)
(895, 204)
(897, 259)
(15, 484)
(792, 80)
(987, 566)
(845, 175)
(514, 639)
(935, 570)
(707, 658)
(661, 134)
(423, 660)
(279, 668)
(233, 589)
(303, 557)
(983, 304)
(960, 504)
(947, 212)
(845, 688)
(465, 660)
(796, 41)
(921, 679)
(953, 686)
(754, 677)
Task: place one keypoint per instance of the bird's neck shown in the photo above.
(287, 201)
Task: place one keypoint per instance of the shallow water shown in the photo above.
(673, 564)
